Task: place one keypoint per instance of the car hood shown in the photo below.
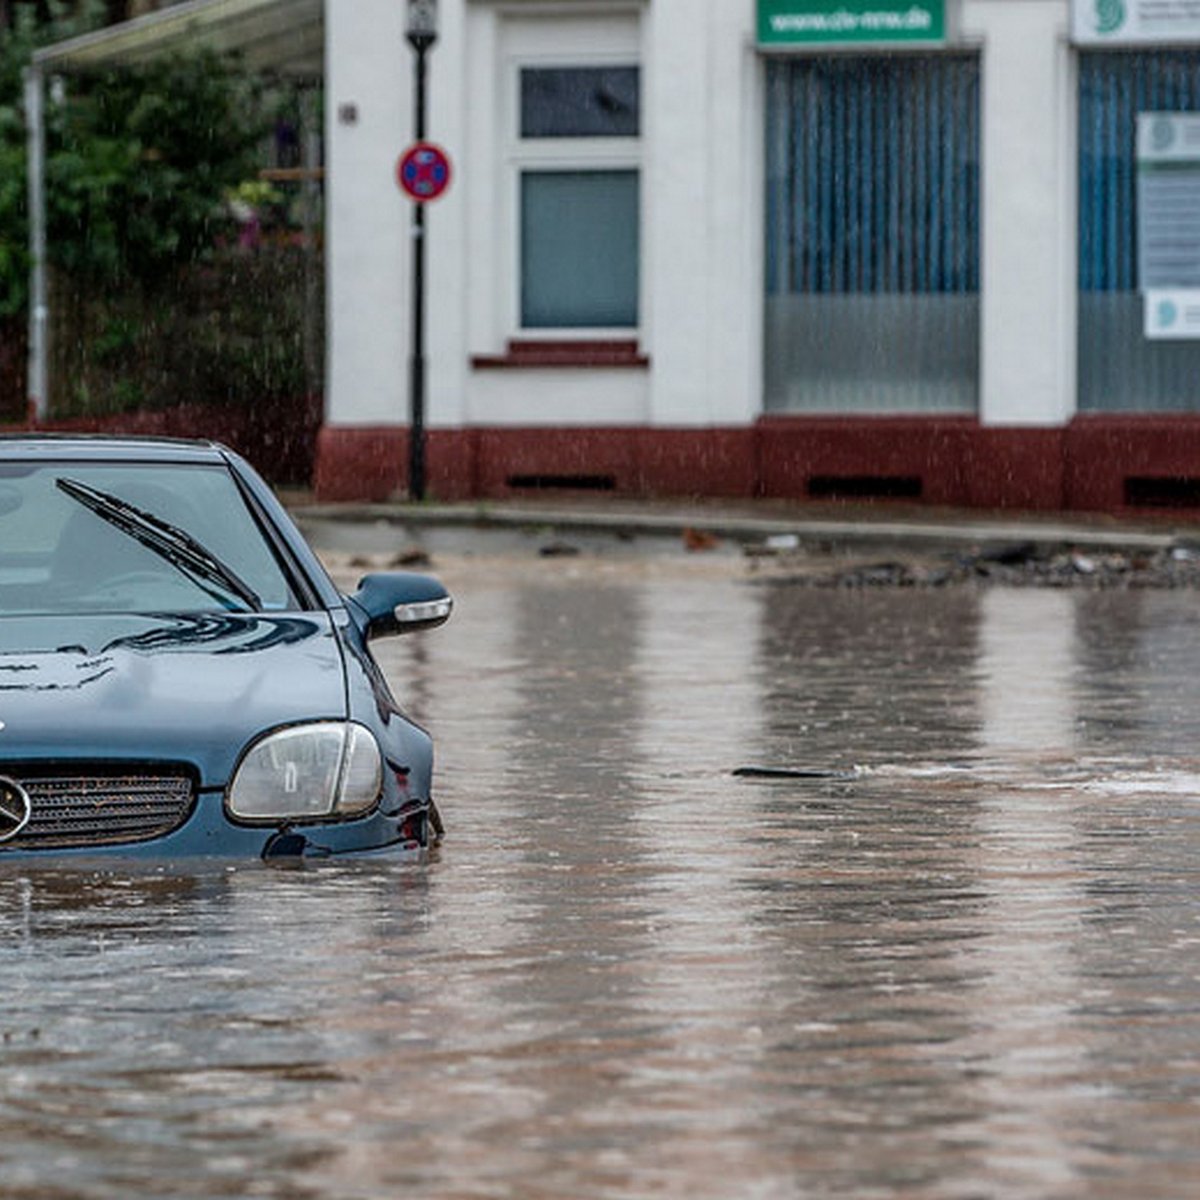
(192, 688)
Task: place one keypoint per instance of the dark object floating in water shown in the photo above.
(1010, 554)
(794, 773)
(414, 556)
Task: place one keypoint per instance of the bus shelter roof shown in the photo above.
(285, 37)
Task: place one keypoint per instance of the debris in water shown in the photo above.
(414, 556)
(700, 539)
(756, 772)
(1014, 565)
(558, 549)
(773, 546)
(1009, 555)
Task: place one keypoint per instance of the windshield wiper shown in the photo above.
(168, 541)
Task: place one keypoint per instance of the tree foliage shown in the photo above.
(14, 263)
(139, 160)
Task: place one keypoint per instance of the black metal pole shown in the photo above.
(416, 431)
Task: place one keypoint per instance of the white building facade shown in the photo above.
(792, 248)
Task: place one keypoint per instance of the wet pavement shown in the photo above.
(941, 940)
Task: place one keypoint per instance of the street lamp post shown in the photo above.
(421, 31)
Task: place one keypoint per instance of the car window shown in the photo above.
(60, 553)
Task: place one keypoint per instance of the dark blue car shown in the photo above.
(178, 674)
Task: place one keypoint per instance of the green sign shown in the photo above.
(814, 22)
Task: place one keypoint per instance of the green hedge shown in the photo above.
(228, 331)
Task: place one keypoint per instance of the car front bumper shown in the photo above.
(209, 832)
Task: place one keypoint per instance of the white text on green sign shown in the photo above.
(808, 22)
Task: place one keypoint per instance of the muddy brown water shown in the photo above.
(965, 963)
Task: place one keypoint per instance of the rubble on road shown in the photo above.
(1017, 564)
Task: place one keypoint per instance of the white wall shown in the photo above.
(1029, 210)
(704, 173)
(367, 246)
(701, 225)
(702, 180)
(448, 269)
(498, 38)
(369, 65)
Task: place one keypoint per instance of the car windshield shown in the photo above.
(84, 537)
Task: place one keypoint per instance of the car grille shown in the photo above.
(99, 810)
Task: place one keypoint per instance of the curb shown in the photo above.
(955, 534)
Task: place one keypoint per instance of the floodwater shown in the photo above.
(960, 958)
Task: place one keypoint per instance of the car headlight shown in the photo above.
(325, 769)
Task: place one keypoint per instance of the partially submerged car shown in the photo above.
(179, 675)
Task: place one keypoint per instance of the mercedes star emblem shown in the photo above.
(14, 809)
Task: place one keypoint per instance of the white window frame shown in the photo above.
(565, 154)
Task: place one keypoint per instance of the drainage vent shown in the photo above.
(582, 483)
(1170, 491)
(865, 487)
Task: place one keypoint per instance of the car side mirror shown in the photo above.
(401, 602)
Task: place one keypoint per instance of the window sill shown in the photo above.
(591, 353)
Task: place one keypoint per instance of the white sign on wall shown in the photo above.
(1173, 314)
(1134, 22)
(1168, 205)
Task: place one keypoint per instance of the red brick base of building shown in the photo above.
(1095, 463)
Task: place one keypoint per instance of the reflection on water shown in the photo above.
(970, 969)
